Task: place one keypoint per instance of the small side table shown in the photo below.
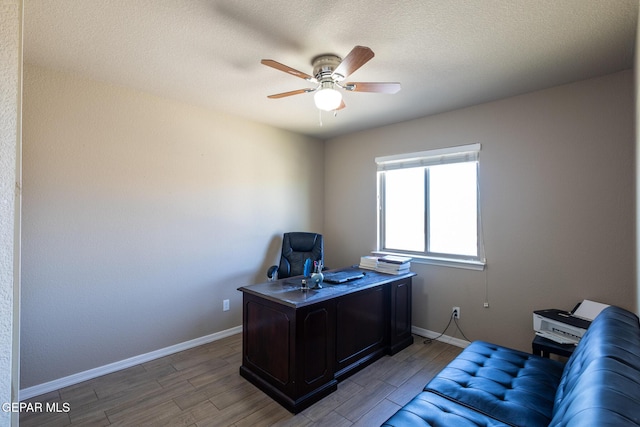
(543, 347)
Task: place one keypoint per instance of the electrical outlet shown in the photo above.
(225, 305)
(456, 312)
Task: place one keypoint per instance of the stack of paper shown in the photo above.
(393, 264)
(589, 309)
(369, 262)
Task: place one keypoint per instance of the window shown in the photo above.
(429, 206)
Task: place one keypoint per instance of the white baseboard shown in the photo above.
(47, 387)
(445, 338)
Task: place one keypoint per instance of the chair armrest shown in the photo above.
(273, 269)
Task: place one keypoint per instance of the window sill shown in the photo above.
(443, 262)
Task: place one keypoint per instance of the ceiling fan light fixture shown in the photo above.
(329, 71)
(327, 98)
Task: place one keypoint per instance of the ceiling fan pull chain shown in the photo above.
(320, 117)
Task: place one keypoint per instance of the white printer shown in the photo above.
(566, 327)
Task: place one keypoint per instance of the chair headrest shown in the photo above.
(302, 242)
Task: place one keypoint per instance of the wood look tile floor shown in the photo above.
(202, 387)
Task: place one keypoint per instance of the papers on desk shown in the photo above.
(588, 310)
(390, 264)
(369, 262)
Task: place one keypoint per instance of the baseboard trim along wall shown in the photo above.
(47, 387)
(444, 338)
(70, 380)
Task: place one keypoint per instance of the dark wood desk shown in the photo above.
(297, 345)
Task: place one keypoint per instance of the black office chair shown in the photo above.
(296, 248)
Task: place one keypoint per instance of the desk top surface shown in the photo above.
(287, 291)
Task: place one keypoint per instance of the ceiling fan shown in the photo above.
(329, 71)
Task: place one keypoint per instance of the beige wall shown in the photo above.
(10, 96)
(141, 215)
(557, 194)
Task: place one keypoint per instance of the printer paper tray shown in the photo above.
(560, 339)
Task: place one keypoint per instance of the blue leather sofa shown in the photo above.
(490, 385)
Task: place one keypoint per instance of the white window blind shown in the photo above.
(463, 153)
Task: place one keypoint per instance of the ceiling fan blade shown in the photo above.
(386, 87)
(342, 105)
(278, 66)
(293, 92)
(358, 56)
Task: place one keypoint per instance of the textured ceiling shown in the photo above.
(447, 54)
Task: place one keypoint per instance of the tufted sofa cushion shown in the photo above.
(429, 409)
(514, 387)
